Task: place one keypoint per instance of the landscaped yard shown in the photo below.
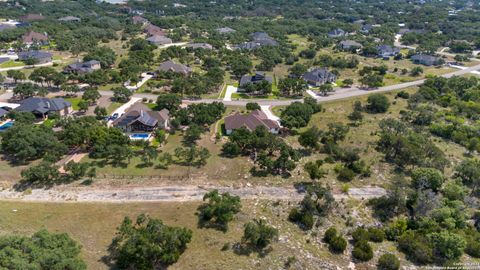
(11, 63)
(74, 101)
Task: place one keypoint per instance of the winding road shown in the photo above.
(340, 93)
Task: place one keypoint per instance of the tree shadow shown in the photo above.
(245, 249)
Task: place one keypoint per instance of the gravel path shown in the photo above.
(170, 194)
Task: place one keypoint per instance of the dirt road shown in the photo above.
(170, 194)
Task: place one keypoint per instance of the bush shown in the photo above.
(377, 103)
(376, 235)
(403, 94)
(345, 174)
(252, 106)
(330, 234)
(360, 234)
(388, 262)
(473, 248)
(303, 218)
(427, 178)
(362, 251)
(338, 244)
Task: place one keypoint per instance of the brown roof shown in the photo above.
(32, 17)
(33, 37)
(154, 30)
(139, 19)
(250, 121)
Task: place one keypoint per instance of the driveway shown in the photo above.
(145, 78)
(228, 93)
(266, 109)
(121, 110)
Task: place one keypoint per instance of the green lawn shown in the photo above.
(74, 101)
(11, 63)
(113, 106)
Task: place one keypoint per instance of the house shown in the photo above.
(153, 30)
(42, 107)
(385, 51)
(170, 66)
(32, 17)
(139, 20)
(366, 28)
(427, 60)
(32, 37)
(159, 40)
(83, 67)
(337, 33)
(139, 118)
(258, 77)
(319, 76)
(250, 121)
(69, 19)
(350, 45)
(38, 57)
(203, 45)
(225, 30)
(259, 39)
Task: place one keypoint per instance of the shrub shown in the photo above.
(304, 218)
(473, 248)
(376, 234)
(403, 94)
(362, 251)
(360, 234)
(252, 106)
(330, 233)
(377, 103)
(427, 178)
(338, 244)
(388, 262)
(345, 174)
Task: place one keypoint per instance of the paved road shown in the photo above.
(338, 94)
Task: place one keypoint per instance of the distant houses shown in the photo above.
(32, 17)
(83, 67)
(202, 45)
(139, 20)
(350, 45)
(225, 30)
(427, 60)
(153, 30)
(337, 33)
(69, 19)
(43, 107)
(170, 66)
(35, 57)
(250, 121)
(34, 38)
(159, 40)
(257, 78)
(386, 51)
(258, 39)
(139, 118)
(319, 76)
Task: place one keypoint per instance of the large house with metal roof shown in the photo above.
(319, 76)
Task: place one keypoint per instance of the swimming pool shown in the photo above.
(6, 125)
(140, 136)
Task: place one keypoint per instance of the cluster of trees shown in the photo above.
(42, 250)
(270, 153)
(262, 88)
(298, 114)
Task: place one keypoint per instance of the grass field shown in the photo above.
(93, 225)
(11, 63)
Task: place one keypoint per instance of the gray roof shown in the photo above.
(42, 105)
(141, 113)
(349, 44)
(387, 49)
(82, 66)
(319, 75)
(425, 59)
(33, 54)
(260, 36)
(250, 121)
(258, 77)
(159, 40)
(69, 19)
(174, 67)
(337, 33)
(202, 45)
(225, 30)
(3, 112)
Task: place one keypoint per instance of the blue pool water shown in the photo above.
(140, 136)
(6, 125)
